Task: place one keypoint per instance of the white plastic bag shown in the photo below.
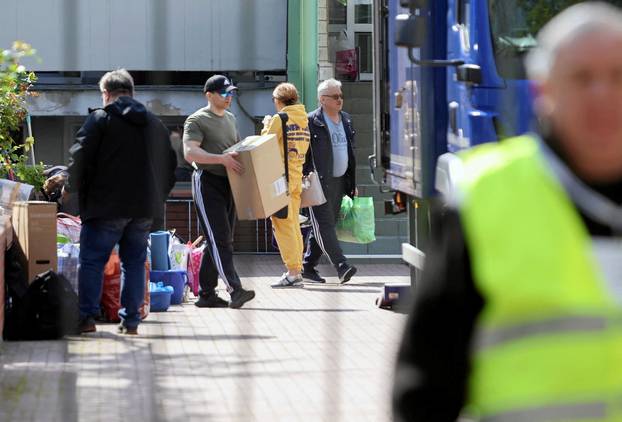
(178, 254)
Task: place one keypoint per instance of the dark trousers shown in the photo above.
(216, 211)
(97, 239)
(323, 238)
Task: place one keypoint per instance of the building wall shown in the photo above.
(202, 35)
(302, 49)
(58, 114)
(243, 37)
(326, 69)
(391, 230)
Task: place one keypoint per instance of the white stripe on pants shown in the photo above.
(198, 199)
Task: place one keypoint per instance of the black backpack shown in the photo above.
(47, 309)
(283, 212)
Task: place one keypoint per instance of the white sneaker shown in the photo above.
(287, 281)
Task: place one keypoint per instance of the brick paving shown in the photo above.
(322, 353)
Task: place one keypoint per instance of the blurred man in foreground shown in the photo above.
(517, 317)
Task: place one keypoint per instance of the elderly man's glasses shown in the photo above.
(335, 96)
(225, 94)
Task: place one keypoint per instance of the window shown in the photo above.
(363, 43)
(514, 26)
(362, 11)
(350, 27)
(337, 12)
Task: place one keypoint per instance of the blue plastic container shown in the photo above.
(177, 279)
(160, 301)
(159, 250)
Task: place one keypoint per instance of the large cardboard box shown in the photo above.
(262, 189)
(35, 230)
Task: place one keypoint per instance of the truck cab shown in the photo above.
(448, 75)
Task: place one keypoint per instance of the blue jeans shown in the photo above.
(97, 239)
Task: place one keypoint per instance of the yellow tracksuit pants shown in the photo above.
(287, 230)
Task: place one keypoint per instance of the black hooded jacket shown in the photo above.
(122, 164)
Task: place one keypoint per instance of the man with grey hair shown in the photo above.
(517, 315)
(331, 155)
(122, 167)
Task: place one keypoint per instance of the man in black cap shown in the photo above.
(207, 133)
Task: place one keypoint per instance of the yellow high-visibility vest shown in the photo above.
(548, 343)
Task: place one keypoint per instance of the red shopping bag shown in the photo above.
(111, 292)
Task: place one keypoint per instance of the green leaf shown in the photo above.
(15, 83)
(28, 143)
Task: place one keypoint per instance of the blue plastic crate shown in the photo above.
(160, 301)
(177, 279)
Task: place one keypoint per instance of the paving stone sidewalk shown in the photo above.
(322, 353)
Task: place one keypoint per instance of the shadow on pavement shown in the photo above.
(341, 290)
(300, 310)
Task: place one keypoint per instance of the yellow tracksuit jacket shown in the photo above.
(287, 230)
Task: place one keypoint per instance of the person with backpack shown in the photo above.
(287, 229)
(122, 168)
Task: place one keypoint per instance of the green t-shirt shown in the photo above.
(215, 133)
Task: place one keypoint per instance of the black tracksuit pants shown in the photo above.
(323, 238)
(216, 211)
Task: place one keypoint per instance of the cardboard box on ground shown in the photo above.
(262, 189)
(35, 230)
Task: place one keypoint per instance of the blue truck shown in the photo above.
(448, 75)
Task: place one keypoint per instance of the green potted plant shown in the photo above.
(15, 87)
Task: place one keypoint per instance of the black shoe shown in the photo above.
(312, 276)
(86, 325)
(240, 296)
(211, 301)
(122, 329)
(345, 272)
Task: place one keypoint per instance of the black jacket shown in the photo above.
(322, 147)
(122, 164)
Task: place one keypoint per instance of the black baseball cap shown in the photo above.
(218, 83)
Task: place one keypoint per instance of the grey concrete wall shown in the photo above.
(58, 114)
(169, 103)
(202, 35)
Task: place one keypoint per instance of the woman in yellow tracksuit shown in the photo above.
(287, 230)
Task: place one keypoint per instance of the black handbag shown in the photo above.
(282, 213)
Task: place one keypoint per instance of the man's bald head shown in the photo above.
(577, 68)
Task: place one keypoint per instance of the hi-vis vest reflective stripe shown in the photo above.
(548, 345)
